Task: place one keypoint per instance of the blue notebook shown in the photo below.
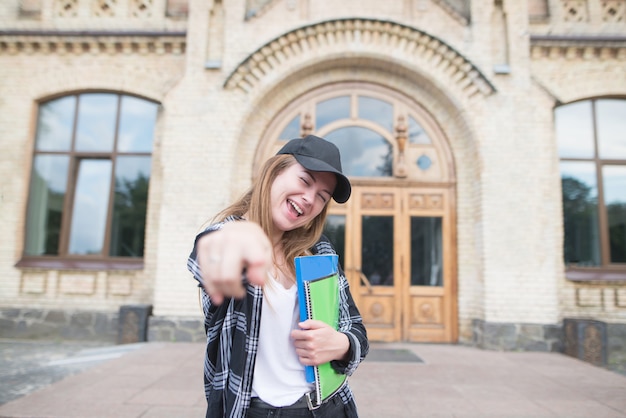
(317, 278)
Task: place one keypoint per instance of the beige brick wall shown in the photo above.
(499, 128)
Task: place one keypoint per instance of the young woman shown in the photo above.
(256, 345)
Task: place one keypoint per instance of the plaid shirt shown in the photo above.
(235, 324)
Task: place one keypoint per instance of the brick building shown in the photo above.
(485, 141)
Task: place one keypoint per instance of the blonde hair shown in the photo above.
(256, 203)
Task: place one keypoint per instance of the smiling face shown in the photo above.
(299, 195)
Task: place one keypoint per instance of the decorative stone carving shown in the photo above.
(348, 34)
(94, 44)
(425, 201)
(400, 167)
(575, 10)
(613, 10)
(545, 48)
(104, 8)
(377, 200)
(141, 8)
(307, 126)
(65, 8)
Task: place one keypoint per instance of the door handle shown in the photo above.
(364, 280)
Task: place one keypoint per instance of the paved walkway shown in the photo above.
(397, 380)
(27, 365)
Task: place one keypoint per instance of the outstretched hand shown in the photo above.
(224, 254)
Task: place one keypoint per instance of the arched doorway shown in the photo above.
(396, 235)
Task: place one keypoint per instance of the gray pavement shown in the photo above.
(29, 365)
(152, 380)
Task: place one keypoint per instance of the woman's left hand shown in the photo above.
(317, 343)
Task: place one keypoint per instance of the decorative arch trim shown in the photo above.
(358, 37)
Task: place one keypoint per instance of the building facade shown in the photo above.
(485, 141)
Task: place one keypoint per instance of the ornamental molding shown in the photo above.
(578, 47)
(459, 10)
(91, 42)
(358, 39)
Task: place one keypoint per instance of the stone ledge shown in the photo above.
(85, 42)
(553, 338)
(46, 324)
(517, 337)
(108, 327)
(176, 329)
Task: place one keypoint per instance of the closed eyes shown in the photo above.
(308, 182)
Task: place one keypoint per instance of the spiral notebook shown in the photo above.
(317, 278)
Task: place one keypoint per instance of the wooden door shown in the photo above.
(396, 246)
(428, 289)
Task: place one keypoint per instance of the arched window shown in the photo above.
(89, 181)
(367, 127)
(591, 136)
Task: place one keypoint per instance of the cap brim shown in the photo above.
(343, 189)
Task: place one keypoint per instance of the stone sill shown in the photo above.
(593, 276)
(49, 263)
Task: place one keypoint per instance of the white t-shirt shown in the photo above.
(278, 374)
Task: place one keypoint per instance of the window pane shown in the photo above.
(55, 124)
(91, 200)
(426, 250)
(574, 130)
(331, 110)
(137, 120)
(132, 176)
(364, 153)
(424, 162)
(417, 135)
(611, 118)
(614, 182)
(45, 204)
(335, 231)
(292, 130)
(376, 110)
(377, 250)
(95, 130)
(580, 213)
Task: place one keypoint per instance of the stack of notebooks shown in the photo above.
(317, 278)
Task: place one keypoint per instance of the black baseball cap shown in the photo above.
(317, 154)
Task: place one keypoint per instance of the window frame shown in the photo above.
(304, 109)
(607, 271)
(64, 260)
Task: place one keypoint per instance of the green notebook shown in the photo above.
(317, 278)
